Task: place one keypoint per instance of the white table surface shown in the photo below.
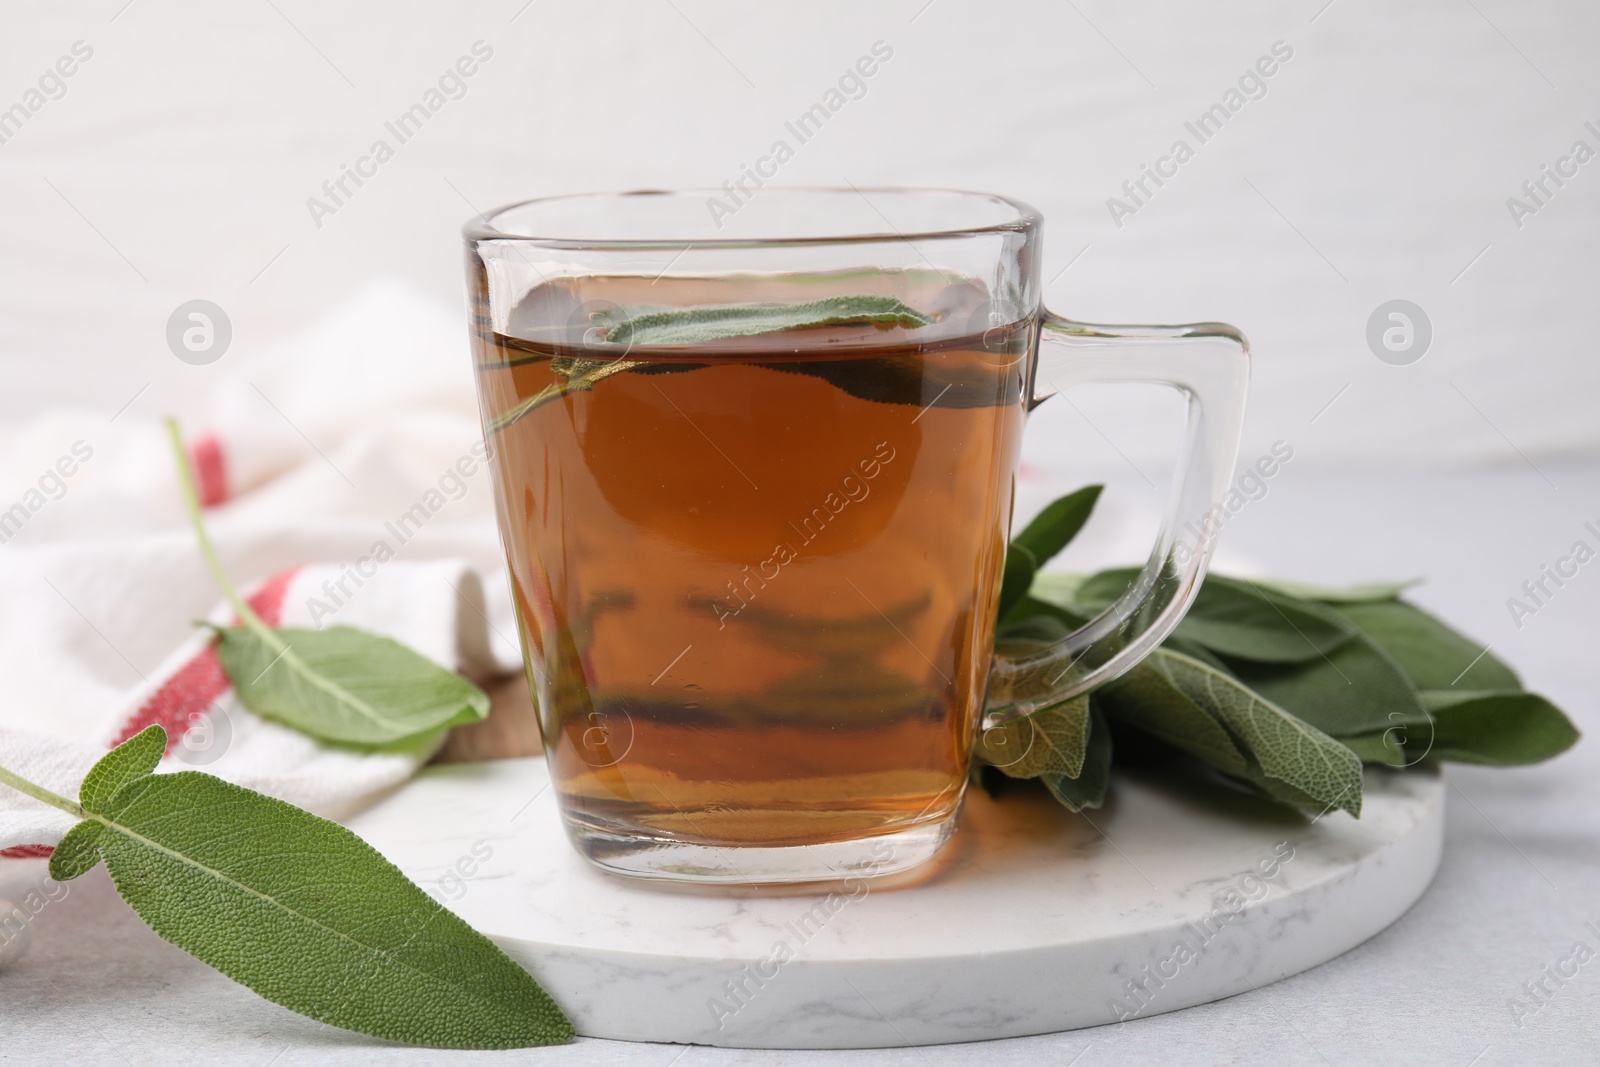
(1521, 873)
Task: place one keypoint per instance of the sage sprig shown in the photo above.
(1285, 689)
(677, 326)
(337, 684)
(572, 375)
(295, 907)
(620, 329)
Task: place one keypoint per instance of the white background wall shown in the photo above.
(179, 161)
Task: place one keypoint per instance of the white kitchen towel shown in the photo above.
(435, 608)
(346, 483)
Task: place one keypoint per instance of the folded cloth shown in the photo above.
(346, 465)
(435, 608)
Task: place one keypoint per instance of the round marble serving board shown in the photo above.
(1031, 920)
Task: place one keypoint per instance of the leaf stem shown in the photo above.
(191, 504)
(39, 793)
(580, 379)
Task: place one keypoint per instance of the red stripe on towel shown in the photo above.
(210, 469)
(196, 685)
(27, 852)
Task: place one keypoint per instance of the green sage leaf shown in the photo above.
(346, 685)
(1088, 788)
(1433, 655)
(1056, 587)
(305, 913)
(575, 376)
(1041, 620)
(134, 758)
(77, 852)
(682, 326)
(1355, 689)
(1016, 578)
(1386, 747)
(1055, 527)
(1365, 593)
(1500, 729)
(339, 684)
(1284, 747)
(1052, 741)
(1147, 700)
(1240, 619)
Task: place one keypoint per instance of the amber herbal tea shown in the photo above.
(755, 575)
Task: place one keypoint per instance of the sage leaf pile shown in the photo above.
(1285, 689)
(338, 684)
(295, 907)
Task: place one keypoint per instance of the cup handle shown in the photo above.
(1209, 362)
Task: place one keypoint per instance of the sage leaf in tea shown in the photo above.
(681, 326)
(574, 375)
(676, 327)
(295, 907)
(338, 684)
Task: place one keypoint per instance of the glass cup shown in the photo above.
(756, 553)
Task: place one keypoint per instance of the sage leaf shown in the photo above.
(1388, 747)
(1238, 618)
(300, 910)
(339, 684)
(1241, 619)
(1044, 537)
(77, 852)
(1055, 527)
(680, 326)
(1199, 652)
(1355, 689)
(346, 685)
(1016, 578)
(1052, 741)
(1056, 587)
(1366, 593)
(134, 758)
(1042, 620)
(575, 375)
(1284, 747)
(1285, 793)
(911, 380)
(1088, 788)
(1500, 729)
(1147, 699)
(1432, 655)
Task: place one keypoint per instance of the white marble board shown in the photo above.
(1031, 920)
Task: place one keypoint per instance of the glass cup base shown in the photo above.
(668, 859)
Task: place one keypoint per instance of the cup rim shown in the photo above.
(481, 227)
